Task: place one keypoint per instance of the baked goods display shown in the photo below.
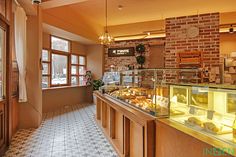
(142, 98)
(212, 127)
(180, 94)
(200, 99)
(109, 88)
(195, 121)
(174, 112)
(206, 125)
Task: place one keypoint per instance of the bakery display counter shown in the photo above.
(128, 129)
(145, 89)
(208, 110)
(191, 119)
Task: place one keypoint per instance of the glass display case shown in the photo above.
(111, 82)
(111, 78)
(146, 89)
(209, 109)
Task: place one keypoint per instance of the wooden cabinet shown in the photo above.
(136, 139)
(3, 127)
(171, 142)
(130, 131)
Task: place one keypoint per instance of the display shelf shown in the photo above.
(229, 65)
(193, 60)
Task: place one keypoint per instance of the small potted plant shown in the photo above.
(140, 49)
(97, 84)
(140, 60)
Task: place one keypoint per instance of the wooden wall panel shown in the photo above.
(107, 128)
(174, 143)
(136, 140)
(15, 114)
(104, 114)
(3, 8)
(98, 108)
(119, 130)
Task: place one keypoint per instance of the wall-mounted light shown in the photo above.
(231, 29)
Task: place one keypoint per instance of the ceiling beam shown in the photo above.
(29, 8)
(58, 3)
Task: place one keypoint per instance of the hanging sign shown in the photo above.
(120, 52)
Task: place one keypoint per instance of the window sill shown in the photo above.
(63, 87)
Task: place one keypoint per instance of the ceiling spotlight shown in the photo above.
(231, 29)
(120, 7)
(148, 33)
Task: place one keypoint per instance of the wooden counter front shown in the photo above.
(176, 140)
(129, 130)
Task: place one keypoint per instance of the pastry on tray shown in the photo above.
(176, 112)
(212, 127)
(195, 121)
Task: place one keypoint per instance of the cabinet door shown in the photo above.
(2, 124)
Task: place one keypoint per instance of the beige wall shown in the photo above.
(31, 112)
(75, 46)
(227, 43)
(54, 99)
(95, 60)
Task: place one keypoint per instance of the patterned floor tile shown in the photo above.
(69, 132)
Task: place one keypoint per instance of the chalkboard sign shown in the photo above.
(119, 52)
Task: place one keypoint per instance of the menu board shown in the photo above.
(119, 52)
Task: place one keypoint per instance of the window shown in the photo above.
(59, 44)
(46, 68)
(78, 69)
(60, 66)
(2, 61)
(59, 69)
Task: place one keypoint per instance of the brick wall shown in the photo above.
(122, 62)
(207, 41)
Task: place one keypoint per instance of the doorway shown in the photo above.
(3, 88)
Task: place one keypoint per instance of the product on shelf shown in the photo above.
(212, 127)
(142, 98)
(195, 121)
(176, 112)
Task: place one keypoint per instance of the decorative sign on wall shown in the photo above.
(119, 52)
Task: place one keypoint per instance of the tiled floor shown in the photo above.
(70, 132)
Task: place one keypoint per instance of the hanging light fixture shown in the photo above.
(106, 38)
